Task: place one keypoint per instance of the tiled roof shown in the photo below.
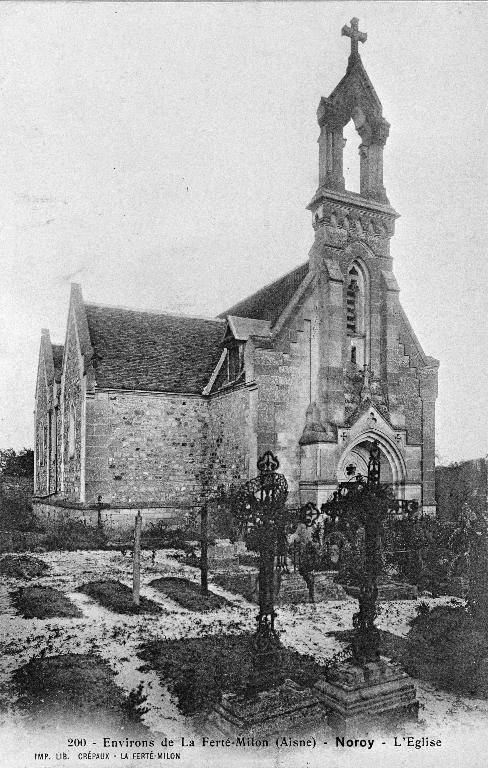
(244, 327)
(150, 351)
(270, 301)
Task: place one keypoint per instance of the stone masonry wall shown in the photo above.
(149, 448)
(283, 376)
(55, 450)
(231, 454)
(41, 422)
(73, 397)
(409, 394)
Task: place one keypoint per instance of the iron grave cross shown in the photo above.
(355, 35)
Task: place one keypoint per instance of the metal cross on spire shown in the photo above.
(355, 35)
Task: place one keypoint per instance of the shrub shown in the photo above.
(162, 537)
(16, 515)
(72, 534)
(446, 647)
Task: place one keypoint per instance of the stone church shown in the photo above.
(151, 411)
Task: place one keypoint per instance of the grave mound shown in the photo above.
(72, 688)
(188, 595)
(40, 602)
(117, 597)
(23, 567)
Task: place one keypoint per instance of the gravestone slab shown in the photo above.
(281, 710)
(360, 696)
(242, 581)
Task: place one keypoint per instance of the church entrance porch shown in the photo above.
(325, 465)
(355, 462)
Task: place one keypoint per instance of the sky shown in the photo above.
(162, 155)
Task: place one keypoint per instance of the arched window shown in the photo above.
(350, 155)
(356, 325)
(71, 431)
(352, 301)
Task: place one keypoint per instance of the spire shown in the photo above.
(356, 37)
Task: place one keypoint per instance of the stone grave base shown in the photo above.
(375, 693)
(240, 582)
(326, 588)
(293, 589)
(281, 710)
(389, 591)
(222, 555)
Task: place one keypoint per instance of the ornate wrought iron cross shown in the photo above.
(259, 508)
(355, 35)
(364, 503)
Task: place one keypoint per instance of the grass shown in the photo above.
(117, 597)
(188, 595)
(198, 670)
(75, 687)
(39, 602)
(22, 567)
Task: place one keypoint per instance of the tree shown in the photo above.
(15, 464)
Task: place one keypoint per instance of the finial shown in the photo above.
(355, 35)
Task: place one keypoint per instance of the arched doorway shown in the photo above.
(355, 458)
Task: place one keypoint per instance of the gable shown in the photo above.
(242, 328)
(49, 365)
(42, 385)
(356, 90)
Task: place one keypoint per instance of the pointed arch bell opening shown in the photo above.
(357, 315)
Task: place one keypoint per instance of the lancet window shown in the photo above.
(355, 309)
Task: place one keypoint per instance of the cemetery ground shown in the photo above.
(74, 650)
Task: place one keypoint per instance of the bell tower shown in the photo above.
(370, 366)
(354, 98)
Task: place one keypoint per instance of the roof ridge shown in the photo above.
(153, 312)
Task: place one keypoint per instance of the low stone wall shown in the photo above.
(117, 524)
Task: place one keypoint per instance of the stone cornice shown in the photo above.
(352, 201)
